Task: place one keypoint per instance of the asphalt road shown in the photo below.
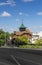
(14, 56)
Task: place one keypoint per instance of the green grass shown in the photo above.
(30, 46)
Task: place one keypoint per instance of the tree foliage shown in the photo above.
(21, 40)
(38, 41)
(3, 36)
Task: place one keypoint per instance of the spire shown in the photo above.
(22, 27)
(22, 21)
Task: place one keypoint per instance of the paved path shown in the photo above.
(13, 56)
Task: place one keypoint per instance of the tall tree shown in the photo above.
(3, 37)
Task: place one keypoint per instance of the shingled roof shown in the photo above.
(20, 33)
(24, 31)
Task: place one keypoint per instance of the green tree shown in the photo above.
(21, 40)
(1, 31)
(38, 41)
(3, 37)
(7, 35)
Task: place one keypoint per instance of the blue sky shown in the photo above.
(13, 12)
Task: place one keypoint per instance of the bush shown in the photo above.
(38, 41)
(21, 40)
(30, 46)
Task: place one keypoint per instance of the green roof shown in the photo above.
(22, 26)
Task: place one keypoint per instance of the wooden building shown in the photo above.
(23, 31)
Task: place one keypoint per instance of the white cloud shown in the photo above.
(24, 14)
(27, 0)
(17, 20)
(20, 13)
(39, 13)
(5, 14)
(8, 2)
